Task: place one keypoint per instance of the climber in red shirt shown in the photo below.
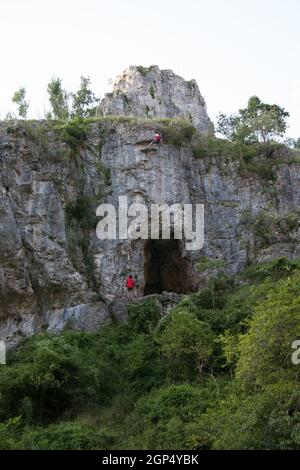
(155, 141)
(130, 284)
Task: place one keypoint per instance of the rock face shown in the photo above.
(54, 271)
(154, 93)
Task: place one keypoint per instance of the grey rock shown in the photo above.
(87, 317)
(53, 272)
(154, 93)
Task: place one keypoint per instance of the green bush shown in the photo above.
(276, 269)
(74, 435)
(210, 146)
(143, 316)
(266, 349)
(143, 70)
(198, 378)
(177, 132)
(46, 376)
(163, 418)
(152, 91)
(186, 343)
(74, 133)
(267, 421)
(142, 365)
(10, 431)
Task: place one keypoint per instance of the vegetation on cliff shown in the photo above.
(215, 373)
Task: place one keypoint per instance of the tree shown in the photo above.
(186, 343)
(292, 143)
(19, 99)
(266, 351)
(84, 100)
(229, 127)
(59, 99)
(258, 122)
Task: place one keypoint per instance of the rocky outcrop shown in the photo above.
(154, 93)
(39, 284)
(54, 271)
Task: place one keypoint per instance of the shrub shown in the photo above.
(163, 419)
(152, 91)
(46, 376)
(177, 132)
(67, 435)
(276, 269)
(266, 349)
(143, 70)
(74, 133)
(143, 316)
(10, 434)
(186, 343)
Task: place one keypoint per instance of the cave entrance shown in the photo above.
(164, 269)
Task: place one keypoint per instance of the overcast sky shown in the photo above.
(233, 48)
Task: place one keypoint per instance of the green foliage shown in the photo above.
(9, 434)
(177, 132)
(253, 158)
(152, 91)
(186, 343)
(143, 70)
(48, 373)
(214, 295)
(263, 399)
(265, 420)
(266, 349)
(19, 99)
(143, 316)
(259, 122)
(232, 308)
(142, 364)
(163, 418)
(293, 143)
(84, 100)
(59, 100)
(205, 376)
(263, 169)
(269, 228)
(230, 128)
(206, 264)
(210, 146)
(80, 220)
(276, 269)
(75, 435)
(74, 133)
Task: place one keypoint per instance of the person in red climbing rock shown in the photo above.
(130, 284)
(155, 141)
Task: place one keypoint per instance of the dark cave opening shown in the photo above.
(165, 269)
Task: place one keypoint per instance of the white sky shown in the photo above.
(233, 48)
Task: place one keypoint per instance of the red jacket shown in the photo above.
(157, 137)
(130, 283)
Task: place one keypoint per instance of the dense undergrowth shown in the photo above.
(199, 378)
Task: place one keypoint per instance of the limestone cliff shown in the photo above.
(154, 93)
(55, 272)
